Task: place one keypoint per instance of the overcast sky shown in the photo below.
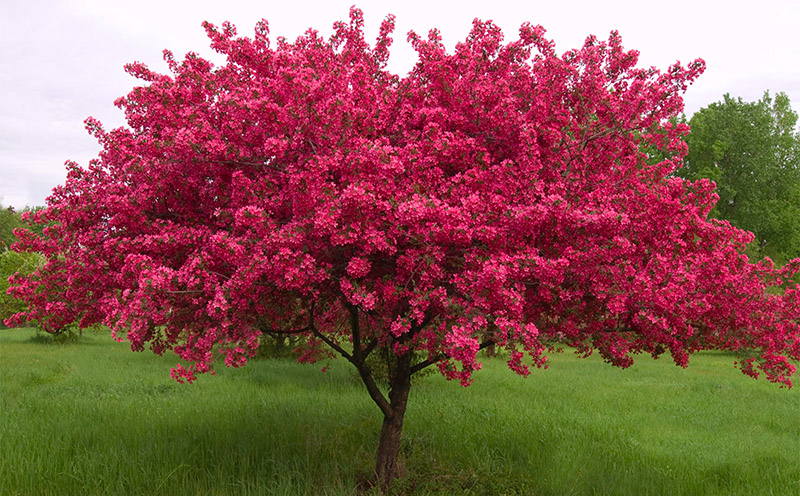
(61, 60)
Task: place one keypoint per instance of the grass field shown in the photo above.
(95, 418)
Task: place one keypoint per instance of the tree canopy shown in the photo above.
(12, 262)
(495, 195)
(9, 220)
(751, 150)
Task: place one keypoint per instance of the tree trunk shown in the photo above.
(386, 468)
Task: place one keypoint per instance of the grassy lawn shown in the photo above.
(95, 418)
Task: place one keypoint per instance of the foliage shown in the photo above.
(752, 151)
(70, 335)
(9, 220)
(497, 195)
(383, 362)
(276, 345)
(11, 263)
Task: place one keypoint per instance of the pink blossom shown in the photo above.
(358, 267)
(494, 195)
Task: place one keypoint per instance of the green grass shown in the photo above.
(95, 418)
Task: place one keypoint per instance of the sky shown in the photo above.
(61, 61)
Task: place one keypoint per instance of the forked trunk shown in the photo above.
(386, 468)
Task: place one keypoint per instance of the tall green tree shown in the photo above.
(9, 220)
(751, 150)
(12, 262)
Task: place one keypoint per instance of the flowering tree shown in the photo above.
(494, 196)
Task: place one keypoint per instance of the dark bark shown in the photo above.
(386, 467)
(393, 407)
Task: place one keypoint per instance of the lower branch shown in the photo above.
(363, 371)
(441, 356)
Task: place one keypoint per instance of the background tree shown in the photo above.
(752, 151)
(9, 220)
(497, 195)
(12, 262)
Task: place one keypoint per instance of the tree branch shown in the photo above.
(370, 347)
(309, 327)
(373, 390)
(332, 344)
(356, 333)
(415, 329)
(441, 356)
(357, 359)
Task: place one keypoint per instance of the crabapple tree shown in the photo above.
(496, 195)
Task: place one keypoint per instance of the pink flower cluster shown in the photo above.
(495, 195)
